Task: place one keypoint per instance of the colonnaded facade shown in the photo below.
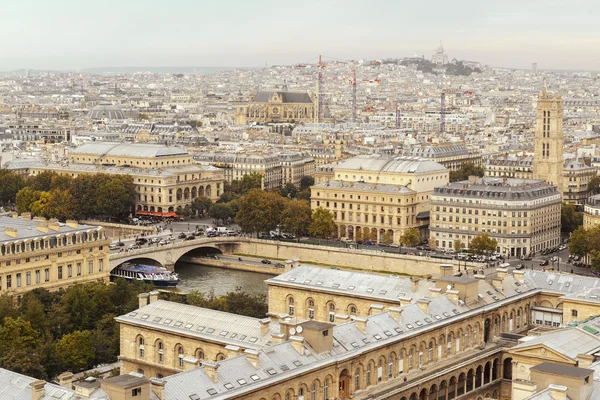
(444, 338)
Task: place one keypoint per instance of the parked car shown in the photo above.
(544, 263)
(279, 265)
(182, 235)
(190, 237)
(134, 247)
(141, 241)
(520, 266)
(265, 261)
(114, 246)
(369, 243)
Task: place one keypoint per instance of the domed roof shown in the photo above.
(106, 111)
(440, 48)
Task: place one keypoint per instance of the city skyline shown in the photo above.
(239, 34)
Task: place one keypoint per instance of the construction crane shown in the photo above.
(353, 96)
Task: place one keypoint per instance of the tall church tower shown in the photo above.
(549, 139)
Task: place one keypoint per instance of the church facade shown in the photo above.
(276, 106)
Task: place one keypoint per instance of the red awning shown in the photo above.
(157, 213)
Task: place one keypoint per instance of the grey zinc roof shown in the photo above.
(200, 322)
(147, 150)
(506, 190)
(286, 97)
(14, 386)
(569, 342)
(384, 163)
(366, 187)
(26, 229)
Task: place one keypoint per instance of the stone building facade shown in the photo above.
(276, 106)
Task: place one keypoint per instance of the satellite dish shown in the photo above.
(299, 329)
(292, 331)
(449, 287)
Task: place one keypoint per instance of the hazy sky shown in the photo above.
(69, 34)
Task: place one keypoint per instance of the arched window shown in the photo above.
(141, 346)
(200, 354)
(357, 379)
(466, 344)
(291, 305)
(352, 310)
(326, 389)
(401, 363)
(390, 366)
(160, 350)
(475, 336)
(180, 356)
(220, 357)
(313, 391)
(430, 352)
(368, 375)
(449, 345)
(410, 359)
(380, 370)
(311, 309)
(331, 309)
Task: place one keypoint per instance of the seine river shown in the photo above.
(205, 278)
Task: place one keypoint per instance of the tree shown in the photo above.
(482, 244)
(10, 185)
(322, 224)
(458, 245)
(467, 169)
(296, 217)
(306, 182)
(61, 205)
(41, 181)
(25, 198)
(579, 242)
(595, 260)
(40, 207)
(410, 237)
(201, 205)
(23, 361)
(187, 210)
(570, 218)
(259, 211)
(433, 243)
(388, 238)
(303, 195)
(116, 196)
(220, 212)
(75, 350)
(594, 185)
(289, 190)
(17, 334)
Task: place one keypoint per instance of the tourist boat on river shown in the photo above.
(158, 276)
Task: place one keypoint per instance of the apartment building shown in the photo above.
(523, 216)
(451, 156)
(37, 253)
(591, 212)
(378, 197)
(510, 167)
(576, 175)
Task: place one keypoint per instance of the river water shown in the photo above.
(221, 280)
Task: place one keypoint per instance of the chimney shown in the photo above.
(211, 370)
(361, 324)
(12, 232)
(446, 270)
(277, 338)
(37, 389)
(65, 380)
(423, 305)
(434, 291)
(72, 224)
(190, 363)
(585, 360)
(519, 276)
(453, 296)
(497, 283)
(232, 350)
(265, 325)
(414, 284)
(558, 392)
(396, 313)
(501, 272)
(153, 296)
(298, 344)
(143, 299)
(404, 301)
(26, 216)
(252, 356)
(53, 224)
(42, 227)
(158, 387)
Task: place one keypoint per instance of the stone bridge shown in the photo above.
(167, 255)
(364, 259)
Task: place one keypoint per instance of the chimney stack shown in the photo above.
(12, 232)
(585, 360)
(414, 284)
(519, 275)
(298, 344)
(190, 363)
(497, 283)
(423, 305)
(252, 356)
(232, 350)
(265, 325)
(158, 387)
(143, 299)
(453, 296)
(446, 270)
(72, 224)
(558, 392)
(434, 291)
(277, 338)
(361, 324)
(153, 296)
(65, 380)
(37, 389)
(26, 216)
(404, 301)
(211, 369)
(396, 313)
(501, 272)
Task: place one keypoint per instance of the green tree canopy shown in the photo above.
(259, 211)
(467, 169)
(220, 212)
(25, 198)
(10, 184)
(594, 185)
(201, 204)
(296, 217)
(322, 224)
(570, 218)
(410, 237)
(289, 190)
(75, 350)
(482, 244)
(306, 182)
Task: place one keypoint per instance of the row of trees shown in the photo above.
(586, 242)
(75, 329)
(466, 170)
(51, 195)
